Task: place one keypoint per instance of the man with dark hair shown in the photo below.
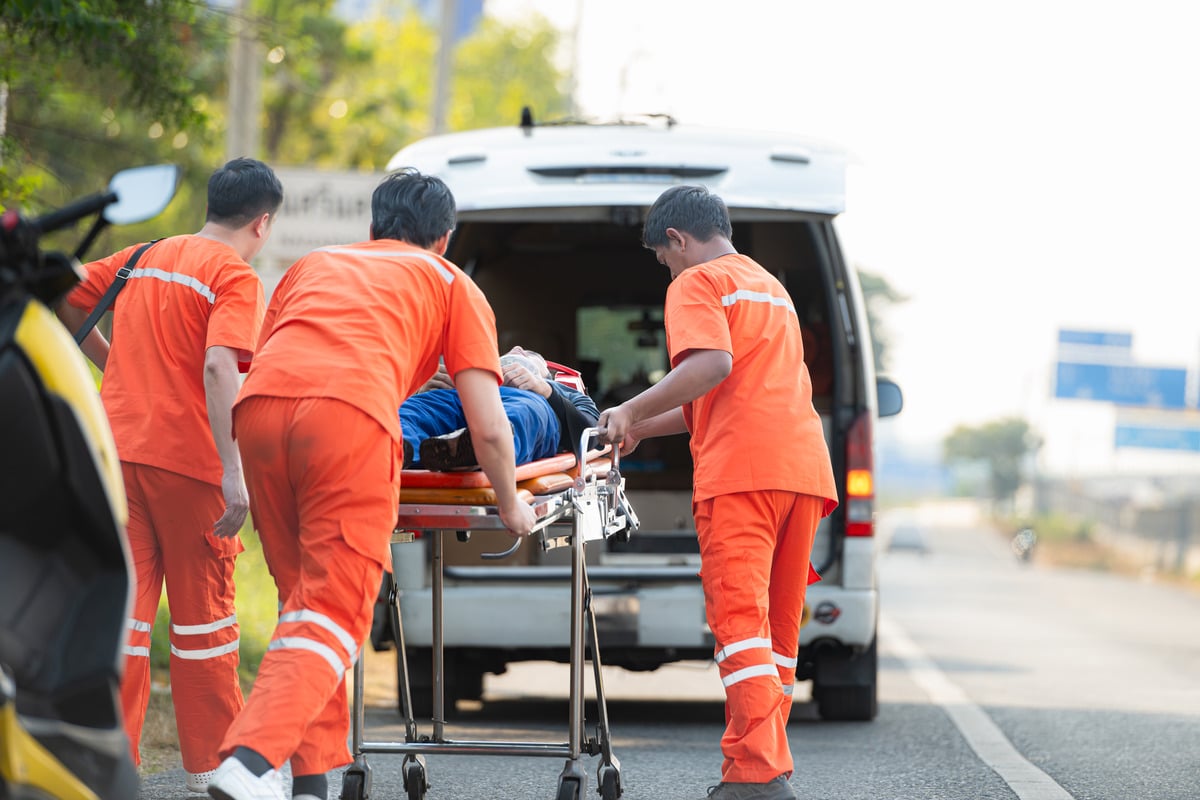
(351, 331)
(414, 208)
(546, 417)
(763, 478)
(183, 325)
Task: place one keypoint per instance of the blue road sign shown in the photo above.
(1158, 437)
(1122, 384)
(1123, 341)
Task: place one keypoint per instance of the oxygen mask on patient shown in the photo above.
(523, 360)
(516, 359)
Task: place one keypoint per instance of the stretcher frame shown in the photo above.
(596, 510)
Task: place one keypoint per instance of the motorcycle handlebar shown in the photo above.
(74, 212)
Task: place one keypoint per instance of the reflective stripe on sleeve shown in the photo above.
(137, 625)
(175, 277)
(784, 661)
(745, 295)
(142, 652)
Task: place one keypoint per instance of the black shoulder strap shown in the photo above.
(109, 296)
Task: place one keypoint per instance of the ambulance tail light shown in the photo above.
(860, 478)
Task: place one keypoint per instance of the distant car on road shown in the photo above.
(908, 536)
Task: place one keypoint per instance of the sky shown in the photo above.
(1019, 167)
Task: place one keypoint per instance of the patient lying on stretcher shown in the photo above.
(547, 417)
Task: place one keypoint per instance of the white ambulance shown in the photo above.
(549, 224)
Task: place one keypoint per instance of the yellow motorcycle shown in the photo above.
(65, 577)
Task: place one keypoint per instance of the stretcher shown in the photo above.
(574, 506)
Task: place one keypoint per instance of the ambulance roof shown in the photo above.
(572, 165)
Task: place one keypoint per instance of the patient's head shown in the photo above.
(529, 359)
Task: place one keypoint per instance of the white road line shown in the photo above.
(985, 738)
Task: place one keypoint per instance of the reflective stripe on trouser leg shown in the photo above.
(205, 689)
(793, 558)
(135, 680)
(148, 582)
(204, 686)
(740, 541)
(322, 496)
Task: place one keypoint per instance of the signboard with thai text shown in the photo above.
(320, 208)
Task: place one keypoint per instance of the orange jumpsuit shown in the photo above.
(187, 294)
(350, 332)
(763, 480)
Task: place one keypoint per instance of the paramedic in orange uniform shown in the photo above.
(188, 315)
(763, 479)
(351, 331)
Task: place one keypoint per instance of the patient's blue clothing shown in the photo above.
(439, 411)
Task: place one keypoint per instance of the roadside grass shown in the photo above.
(257, 609)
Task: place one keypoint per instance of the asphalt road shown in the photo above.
(997, 680)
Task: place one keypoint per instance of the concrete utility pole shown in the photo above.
(445, 64)
(573, 74)
(3, 114)
(245, 82)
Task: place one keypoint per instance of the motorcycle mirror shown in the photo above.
(142, 193)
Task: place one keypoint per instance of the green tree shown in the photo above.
(333, 95)
(503, 68)
(73, 73)
(306, 52)
(1002, 447)
(380, 96)
(879, 296)
(135, 44)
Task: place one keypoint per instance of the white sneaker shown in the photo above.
(233, 781)
(198, 781)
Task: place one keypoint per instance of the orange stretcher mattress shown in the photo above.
(545, 476)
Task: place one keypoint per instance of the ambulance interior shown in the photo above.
(585, 293)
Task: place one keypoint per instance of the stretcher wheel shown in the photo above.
(354, 786)
(415, 783)
(570, 789)
(610, 782)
